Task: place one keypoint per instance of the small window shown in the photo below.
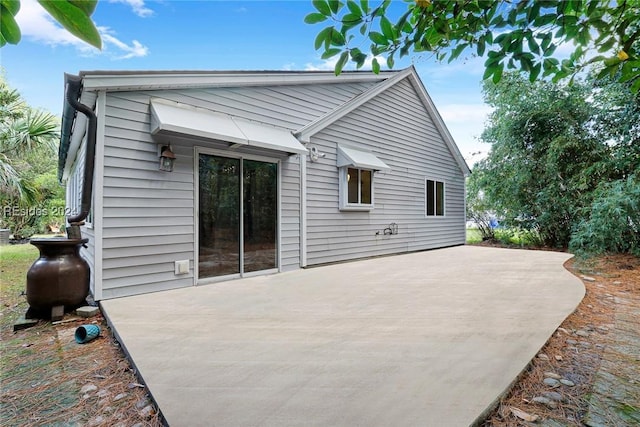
(434, 198)
(356, 189)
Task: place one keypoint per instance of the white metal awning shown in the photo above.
(349, 156)
(168, 116)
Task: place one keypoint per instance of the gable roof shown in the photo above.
(88, 83)
(305, 133)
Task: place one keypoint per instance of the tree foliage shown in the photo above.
(478, 209)
(28, 186)
(612, 222)
(510, 34)
(556, 152)
(73, 15)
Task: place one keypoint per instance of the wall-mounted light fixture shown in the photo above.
(314, 154)
(167, 158)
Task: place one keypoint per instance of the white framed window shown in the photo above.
(434, 196)
(356, 188)
(356, 174)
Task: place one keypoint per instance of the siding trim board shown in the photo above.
(98, 194)
(118, 81)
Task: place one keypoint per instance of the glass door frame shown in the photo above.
(196, 213)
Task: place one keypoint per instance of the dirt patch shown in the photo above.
(576, 351)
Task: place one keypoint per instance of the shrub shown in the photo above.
(612, 222)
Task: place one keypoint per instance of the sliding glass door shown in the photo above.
(238, 203)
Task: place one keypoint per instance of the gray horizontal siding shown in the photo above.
(148, 214)
(398, 129)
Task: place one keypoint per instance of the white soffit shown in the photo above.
(349, 156)
(184, 119)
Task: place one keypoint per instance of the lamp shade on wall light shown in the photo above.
(167, 158)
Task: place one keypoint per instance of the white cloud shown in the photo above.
(36, 24)
(137, 6)
(464, 113)
(465, 123)
(324, 65)
(136, 49)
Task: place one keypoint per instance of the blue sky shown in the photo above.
(214, 35)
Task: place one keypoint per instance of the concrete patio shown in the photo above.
(424, 339)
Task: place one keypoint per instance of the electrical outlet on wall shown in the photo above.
(182, 267)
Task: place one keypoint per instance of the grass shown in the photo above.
(15, 260)
(473, 236)
(507, 236)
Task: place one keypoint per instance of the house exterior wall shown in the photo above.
(148, 215)
(397, 128)
(73, 201)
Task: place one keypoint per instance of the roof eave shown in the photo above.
(148, 80)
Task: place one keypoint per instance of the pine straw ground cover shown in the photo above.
(47, 379)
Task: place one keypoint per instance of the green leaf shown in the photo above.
(387, 28)
(87, 6)
(335, 5)
(545, 19)
(12, 6)
(402, 21)
(535, 72)
(533, 44)
(480, 47)
(74, 20)
(534, 11)
(322, 37)
(456, 51)
(635, 87)
(497, 75)
(322, 6)
(314, 18)
(364, 5)
(488, 71)
(354, 8)
(390, 61)
(341, 62)
(9, 28)
(607, 45)
(378, 38)
(375, 66)
(337, 38)
(331, 52)
(546, 42)
(350, 20)
(3, 41)
(612, 61)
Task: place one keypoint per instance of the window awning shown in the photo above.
(168, 116)
(348, 156)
